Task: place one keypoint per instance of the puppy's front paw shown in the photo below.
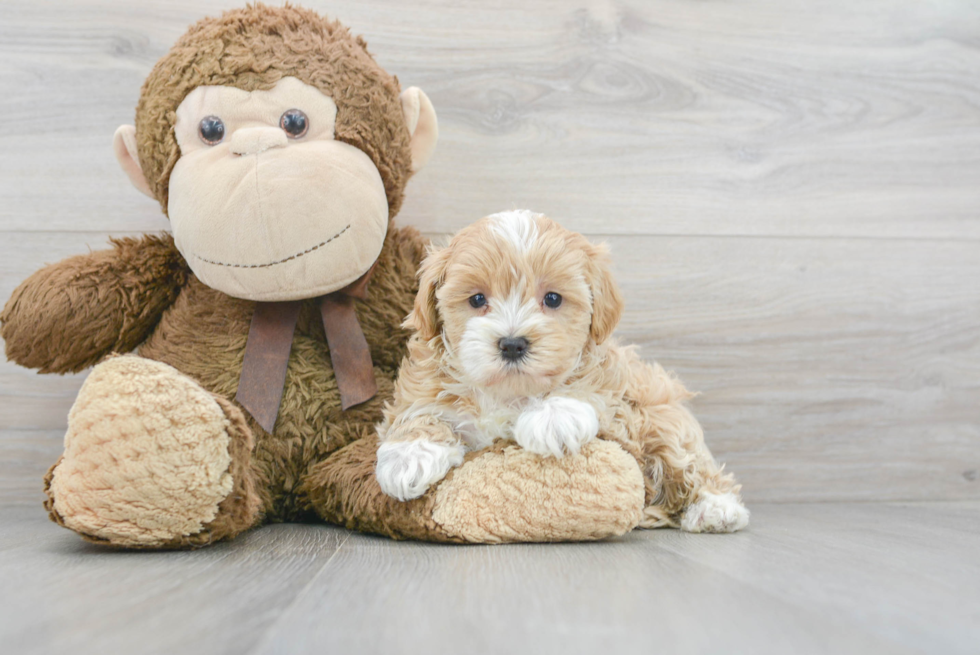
(407, 468)
(556, 426)
(715, 513)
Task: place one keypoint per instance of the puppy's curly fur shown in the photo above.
(513, 322)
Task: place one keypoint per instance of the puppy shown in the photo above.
(512, 324)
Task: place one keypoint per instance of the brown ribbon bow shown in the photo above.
(270, 338)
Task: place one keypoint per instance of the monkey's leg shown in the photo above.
(152, 460)
(500, 494)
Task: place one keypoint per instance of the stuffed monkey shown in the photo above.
(267, 327)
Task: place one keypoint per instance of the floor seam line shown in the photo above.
(267, 634)
(782, 599)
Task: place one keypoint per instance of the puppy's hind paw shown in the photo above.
(556, 426)
(715, 513)
(406, 469)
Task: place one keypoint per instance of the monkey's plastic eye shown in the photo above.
(552, 299)
(294, 123)
(211, 130)
(478, 300)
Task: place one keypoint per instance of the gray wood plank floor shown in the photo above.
(814, 578)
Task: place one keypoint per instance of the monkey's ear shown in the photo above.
(124, 145)
(424, 317)
(422, 125)
(607, 302)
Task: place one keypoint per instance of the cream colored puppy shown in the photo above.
(512, 324)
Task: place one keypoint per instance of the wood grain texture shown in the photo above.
(790, 191)
(25, 456)
(853, 558)
(61, 594)
(669, 117)
(815, 578)
(830, 369)
(578, 598)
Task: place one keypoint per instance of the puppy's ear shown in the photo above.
(607, 302)
(424, 317)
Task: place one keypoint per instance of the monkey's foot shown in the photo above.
(509, 494)
(499, 494)
(152, 460)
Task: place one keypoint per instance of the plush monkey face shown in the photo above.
(265, 203)
(278, 187)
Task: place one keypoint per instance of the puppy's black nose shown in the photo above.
(513, 348)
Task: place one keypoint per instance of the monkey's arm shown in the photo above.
(67, 316)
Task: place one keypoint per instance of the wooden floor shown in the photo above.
(791, 189)
(815, 578)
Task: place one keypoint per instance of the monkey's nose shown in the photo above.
(513, 348)
(253, 140)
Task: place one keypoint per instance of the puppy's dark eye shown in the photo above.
(478, 300)
(552, 299)
(294, 123)
(211, 130)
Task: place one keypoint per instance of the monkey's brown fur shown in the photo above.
(142, 295)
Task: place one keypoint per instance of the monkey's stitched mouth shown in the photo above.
(277, 262)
